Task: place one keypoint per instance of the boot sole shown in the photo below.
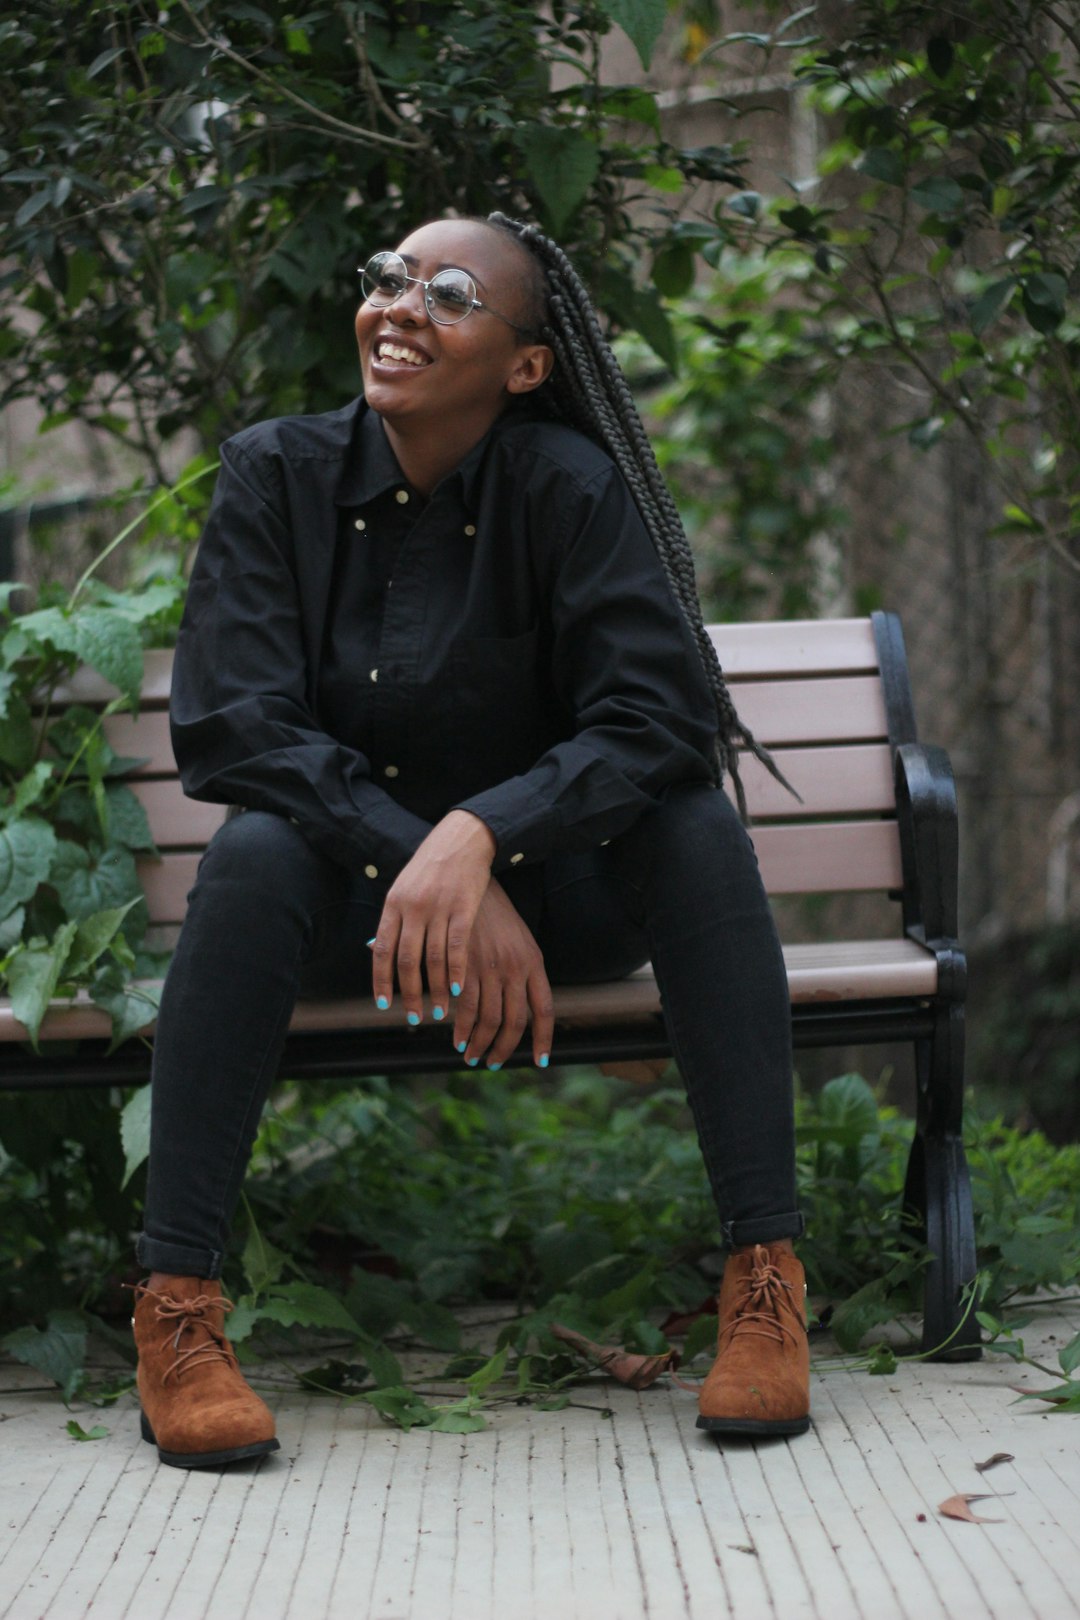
(760, 1426)
(206, 1459)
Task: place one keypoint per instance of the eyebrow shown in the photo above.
(407, 258)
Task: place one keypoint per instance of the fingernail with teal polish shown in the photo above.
(544, 1060)
(461, 1045)
(455, 989)
(438, 1014)
(382, 1003)
(414, 1018)
(370, 943)
(472, 1062)
(494, 1066)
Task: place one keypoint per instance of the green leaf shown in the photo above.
(94, 935)
(867, 1308)
(126, 818)
(642, 20)
(641, 311)
(882, 163)
(990, 304)
(1044, 300)
(302, 1304)
(939, 55)
(131, 1007)
(746, 203)
(18, 738)
(11, 929)
(458, 1419)
(135, 1132)
(58, 1350)
(93, 881)
(262, 1262)
(77, 1432)
(297, 42)
(402, 1406)
(489, 1373)
(673, 271)
(562, 164)
(31, 787)
(33, 975)
(1069, 1358)
(110, 643)
(938, 194)
(27, 850)
(701, 1339)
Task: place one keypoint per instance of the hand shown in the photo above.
(505, 985)
(428, 915)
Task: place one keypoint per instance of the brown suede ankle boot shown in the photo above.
(760, 1381)
(196, 1406)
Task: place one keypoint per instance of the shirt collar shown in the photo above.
(372, 467)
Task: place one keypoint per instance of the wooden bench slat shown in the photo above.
(817, 711)
(865, 969)
(843, 857)
(830, 781)
(789, 648)
(144, 736)
(174, 818)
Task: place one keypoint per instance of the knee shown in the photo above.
(693, 827)
(258, 851)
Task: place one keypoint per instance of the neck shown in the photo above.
(425, 455)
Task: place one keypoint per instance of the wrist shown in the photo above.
(474, 833)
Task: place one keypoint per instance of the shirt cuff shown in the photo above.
(387, 840)
(523, 825)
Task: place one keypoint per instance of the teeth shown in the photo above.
(395, 351)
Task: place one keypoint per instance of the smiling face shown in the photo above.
(418, 373)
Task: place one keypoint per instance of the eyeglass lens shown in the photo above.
(449, 297)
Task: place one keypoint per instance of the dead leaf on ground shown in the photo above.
(956, 1507)
(636, 1371)
(992, 1462)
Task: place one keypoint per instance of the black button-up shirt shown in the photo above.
(364, 662)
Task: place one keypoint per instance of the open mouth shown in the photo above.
(394, 353)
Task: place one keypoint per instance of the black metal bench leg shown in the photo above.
(937, 1192)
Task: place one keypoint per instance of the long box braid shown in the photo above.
(589, 391)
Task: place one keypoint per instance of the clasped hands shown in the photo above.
(446, 916)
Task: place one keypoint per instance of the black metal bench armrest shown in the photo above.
(929, 848)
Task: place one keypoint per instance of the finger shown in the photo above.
(410, 956)
(438, 989)
(542, 1009)
(458, 934)
(465, 1010)
(515, 1015)
(488, 1018)
(383, 950)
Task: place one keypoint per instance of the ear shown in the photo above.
(532, 366)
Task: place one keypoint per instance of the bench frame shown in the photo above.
(937, 1192)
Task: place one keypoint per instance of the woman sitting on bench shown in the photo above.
(443, 648)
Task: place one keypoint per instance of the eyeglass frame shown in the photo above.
(474, 303)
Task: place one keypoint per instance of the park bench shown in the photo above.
(832, 699)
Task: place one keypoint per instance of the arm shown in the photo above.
(242, 723)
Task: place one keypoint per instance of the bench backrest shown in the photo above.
(814, 692)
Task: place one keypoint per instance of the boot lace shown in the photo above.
(192, 1315)
(766, 1301)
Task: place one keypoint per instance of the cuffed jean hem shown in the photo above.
(766, 1229)
(175, 1260)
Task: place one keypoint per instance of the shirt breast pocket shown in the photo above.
(501, 721)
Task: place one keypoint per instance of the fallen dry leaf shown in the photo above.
(956, 1507)
(636, 1371)
(992, 1462)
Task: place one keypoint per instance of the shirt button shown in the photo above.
(514, 859)
(402, 497)
(360, 525)
(604, 842)
(371, 871)
(374, 675)
(391, 770)
(470, 529)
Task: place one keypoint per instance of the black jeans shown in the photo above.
(269, 919)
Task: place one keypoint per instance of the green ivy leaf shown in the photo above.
(27, 850)
(402, 1406)
(93, 880)
(126, 818)
(1069, 1358)
(31, 787)
(58, 1350)
(135, 1132)
(642, 20)
(110, 643)
(11, 930)
(94, 935)
(673, 271)
(262, 1262)
(33, 975)
(562, 164)
(131, 1007)
(458, 1419)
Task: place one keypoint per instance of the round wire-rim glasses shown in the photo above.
(449, 296)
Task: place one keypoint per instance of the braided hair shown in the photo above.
(589, 391)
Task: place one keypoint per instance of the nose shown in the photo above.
(410, 308)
